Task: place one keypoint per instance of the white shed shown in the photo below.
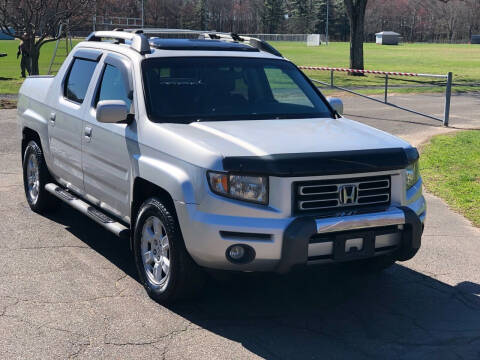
(387, 38)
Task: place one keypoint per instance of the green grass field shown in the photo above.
(450, 169)
(10, 75)
(462, 60)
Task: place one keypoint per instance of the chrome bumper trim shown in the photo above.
(393, 216)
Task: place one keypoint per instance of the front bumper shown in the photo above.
(282, 243)
(397, 230)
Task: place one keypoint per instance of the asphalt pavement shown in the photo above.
(464, 114)
(69, 289)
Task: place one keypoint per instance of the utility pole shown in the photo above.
(326, 24)
(143, 14)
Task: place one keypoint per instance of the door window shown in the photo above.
(112, 86)
(78, 79)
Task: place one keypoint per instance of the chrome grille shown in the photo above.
(338, 194)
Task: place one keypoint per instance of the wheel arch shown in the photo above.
(28, 135)
(143, 190)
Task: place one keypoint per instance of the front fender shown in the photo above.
(177, 180)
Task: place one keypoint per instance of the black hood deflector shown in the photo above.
(324, 163)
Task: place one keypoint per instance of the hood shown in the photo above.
(268, 137)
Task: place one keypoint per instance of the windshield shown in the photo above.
(182, 90)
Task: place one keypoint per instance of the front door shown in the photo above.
(106, 156)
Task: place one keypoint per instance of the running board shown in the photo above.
(93, 213)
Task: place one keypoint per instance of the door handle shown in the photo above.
(88, 133)
(53, 117)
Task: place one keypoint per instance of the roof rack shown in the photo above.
(254, 42)
(139, 42)
(213, 35)
(199, 44)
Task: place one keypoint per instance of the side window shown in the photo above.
(112, 86)
(284, 88)
(78, 79)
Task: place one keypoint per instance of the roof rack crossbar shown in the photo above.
(253, 42)
(139, 41)
(215, 35)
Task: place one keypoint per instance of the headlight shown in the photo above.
(413, 174)
(241, 187)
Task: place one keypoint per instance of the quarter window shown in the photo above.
(113, 86)
(78, 79)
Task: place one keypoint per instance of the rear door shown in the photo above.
(107, 147)
(66, 120)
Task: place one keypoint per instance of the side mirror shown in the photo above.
(336, 104)
(111, 111)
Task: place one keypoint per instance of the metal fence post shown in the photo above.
(448, 95)
(386, 87)
(331, 78)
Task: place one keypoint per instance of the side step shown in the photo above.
(93, 213)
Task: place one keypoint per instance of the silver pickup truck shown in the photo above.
(214, 153)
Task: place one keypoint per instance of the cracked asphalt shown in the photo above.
(68, 289)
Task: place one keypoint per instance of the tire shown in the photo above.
(35, 177)
(164, 266)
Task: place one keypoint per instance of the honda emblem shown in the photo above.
(348, 195)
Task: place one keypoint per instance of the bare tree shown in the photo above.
(473, 10)
(37, 22)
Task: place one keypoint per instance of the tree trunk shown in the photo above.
(33, 55)
(356, 43)
(356, 14)
(413, 24)
(34, 62)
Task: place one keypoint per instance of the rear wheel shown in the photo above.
(35, 177)
(165, 268)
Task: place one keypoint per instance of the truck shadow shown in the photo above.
(332, 313)
(323, 313)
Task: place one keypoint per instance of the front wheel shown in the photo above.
(165, 268)
(35, 177)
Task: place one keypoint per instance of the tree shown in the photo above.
(473, 10)
(202, 14)
(272, 15)
(356, 14)
(304, 15)
(37, 22)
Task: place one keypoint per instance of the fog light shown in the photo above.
(236, 252)
(240, 254)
